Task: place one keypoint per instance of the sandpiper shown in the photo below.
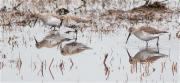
(51, 40)
(146, 55)
(55, 20)
(73, 48)
(145, 33)
(50, 19)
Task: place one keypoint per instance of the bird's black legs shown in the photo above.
(60, 23)
(58, 45)
(146, 43)
(157, 42)
(54, 28)
(147, 2)
(76, 34)
(158, 49)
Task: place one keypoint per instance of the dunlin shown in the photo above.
(146, 55)
(55, 20)
(73, 48)
(145, 33)
(52, 20)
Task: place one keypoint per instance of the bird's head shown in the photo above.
(131, 29)
(37, 43)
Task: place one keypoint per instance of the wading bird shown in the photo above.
(50, 19)
(145, 33)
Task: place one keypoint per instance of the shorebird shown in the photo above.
(146, 55)
(73, 48)
(50, 19)
(145, 33)
(55, 20)
(51, 40)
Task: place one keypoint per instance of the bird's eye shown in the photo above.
(38, 45)
(62, 51)
(130, 60)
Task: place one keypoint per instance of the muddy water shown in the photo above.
(107, 61)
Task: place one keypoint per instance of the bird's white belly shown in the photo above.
(53, 21)
(145, 36)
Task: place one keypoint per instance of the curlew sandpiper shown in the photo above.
(145, 33)
(50, 19)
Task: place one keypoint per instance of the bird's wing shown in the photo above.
(79, 46)
(151, 30)
(58, 16)
(154, 58)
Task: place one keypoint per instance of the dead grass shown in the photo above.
(155, 7)
(178, 34)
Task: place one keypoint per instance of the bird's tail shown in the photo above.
(164, 32)
(163, 55)
(87, 47)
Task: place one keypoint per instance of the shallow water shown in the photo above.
(21, 61)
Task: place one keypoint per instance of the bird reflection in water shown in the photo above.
(53, 39)
(145, 58)
(73, 48)
(146, 55)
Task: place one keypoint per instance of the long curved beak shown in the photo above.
(128, 38)
(66, 39)
(60, 46)
(130, 58)
(35, 22)
(128, 54)
(35, 40)
(61, 22)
